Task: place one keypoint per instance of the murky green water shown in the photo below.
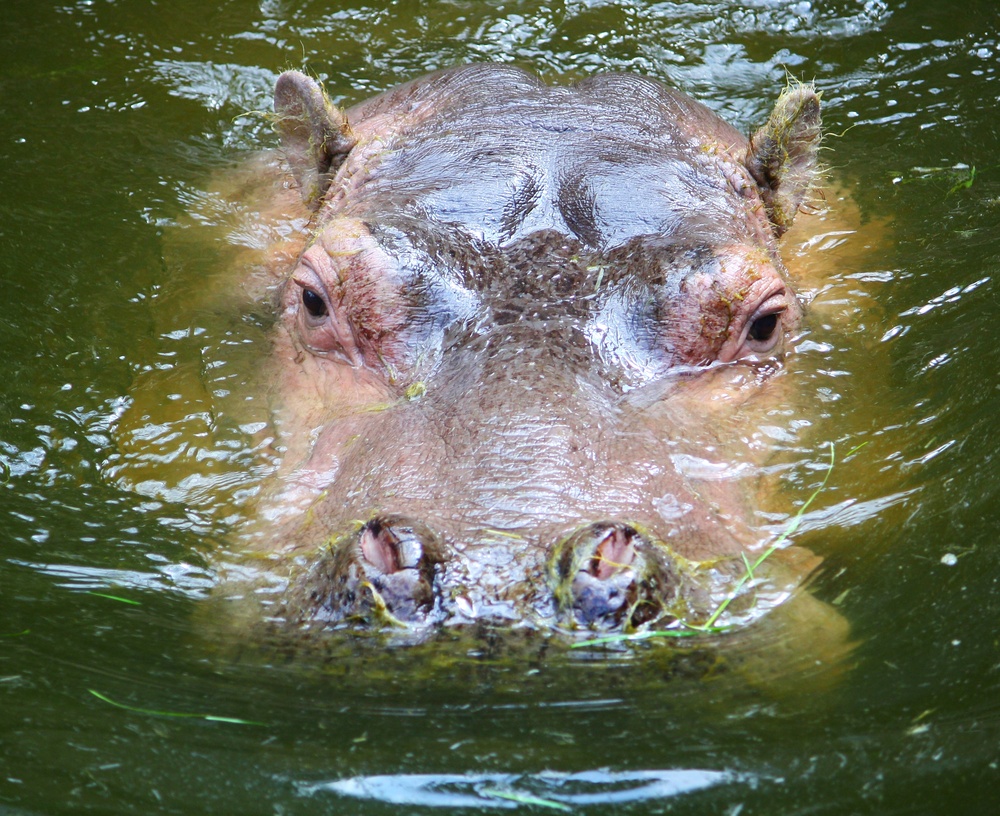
(112, 115)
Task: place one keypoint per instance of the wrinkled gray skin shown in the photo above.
(518, 348)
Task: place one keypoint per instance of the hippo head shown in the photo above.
(516, 356)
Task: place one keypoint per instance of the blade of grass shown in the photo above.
(965, 183)
(709, 626)
(115, 598)
(793, 525)
(527, 799)
(177, 714)
(648, 634)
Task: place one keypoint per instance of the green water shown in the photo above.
(113, 114)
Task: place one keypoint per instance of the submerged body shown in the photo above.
(517, 353)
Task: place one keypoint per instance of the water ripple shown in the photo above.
(508, 790)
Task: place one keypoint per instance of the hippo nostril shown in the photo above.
(380, 547)
(382, 573)
(613, 554)
(607, 573)
(391, 544)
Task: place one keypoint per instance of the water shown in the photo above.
(113, 116)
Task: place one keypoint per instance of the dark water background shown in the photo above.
(112, 114)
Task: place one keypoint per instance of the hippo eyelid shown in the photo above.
(324, 330)
(314, 301)
(763, 329)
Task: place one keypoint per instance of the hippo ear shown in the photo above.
(315, 135)
(782, 156)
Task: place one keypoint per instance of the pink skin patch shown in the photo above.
(613, 555)
(380, 550)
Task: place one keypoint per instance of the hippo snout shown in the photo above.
(393, 570)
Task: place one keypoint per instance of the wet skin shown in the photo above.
(518, 351)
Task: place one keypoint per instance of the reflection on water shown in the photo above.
(118, 112)
(192, 581)
(509, 790)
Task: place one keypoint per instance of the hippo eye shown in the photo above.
(762, 329)
(314, 303)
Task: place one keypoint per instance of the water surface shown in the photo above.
(115, 115)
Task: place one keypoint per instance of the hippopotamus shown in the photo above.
(516, 355)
